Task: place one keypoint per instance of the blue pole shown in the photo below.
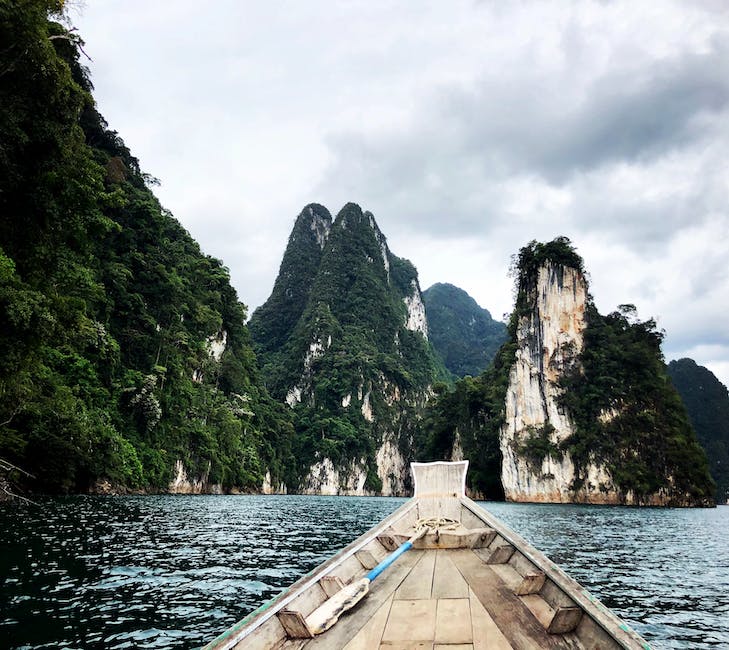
(389, 560)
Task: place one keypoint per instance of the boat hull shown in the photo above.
(470, 583)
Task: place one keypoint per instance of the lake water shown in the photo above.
(174, 571)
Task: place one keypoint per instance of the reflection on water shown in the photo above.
(174, 571)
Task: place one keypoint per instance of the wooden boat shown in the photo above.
(469, 582)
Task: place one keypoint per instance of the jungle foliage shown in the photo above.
(470, 417)
(107, 305)
(647, 442)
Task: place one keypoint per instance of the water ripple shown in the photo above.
(174, 571)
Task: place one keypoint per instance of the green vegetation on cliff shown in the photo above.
(350, 367)
(462, 333)
(468, 420)
(707, 402)
(646, 442)
(108, 308)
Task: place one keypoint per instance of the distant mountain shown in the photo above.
(462, 332)
(707, 402)
(343, 339)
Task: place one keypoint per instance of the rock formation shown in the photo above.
(589, 413)
(549, 339)
(343, 341)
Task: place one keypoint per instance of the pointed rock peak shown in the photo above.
(558, 253)
(314, 220)
(349, 215)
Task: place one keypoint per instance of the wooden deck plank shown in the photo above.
(453, 646)
(410, 620)
(486, 634)
(512, 617)
(447, 580)
(418, 584)
(407, 645)
(371, 634)
(453, 621)
(355, 619)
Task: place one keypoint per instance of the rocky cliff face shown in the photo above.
(589, 413)
(353, 360)
(707, 403)
(549, 340)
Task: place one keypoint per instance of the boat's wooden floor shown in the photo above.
(440, 599)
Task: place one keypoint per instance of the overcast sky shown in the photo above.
(467, 128)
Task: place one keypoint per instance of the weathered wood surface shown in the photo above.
(440, 479)
(481, 586)
(353, 621)
(511, 615)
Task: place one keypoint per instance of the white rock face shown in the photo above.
(293, 397)
(268, 488)
(324, 478)
(549, 339)
(217, 344)
(367, 413)
(382, 242)
(391, 469)
(316, 349)
(320, 227)
(416, 311)
(182, 484)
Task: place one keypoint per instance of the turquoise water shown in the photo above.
(174, 571)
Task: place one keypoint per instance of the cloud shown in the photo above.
(467, 128)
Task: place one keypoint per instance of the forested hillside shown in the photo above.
(124, 355)
(464, 334)
(707, 403)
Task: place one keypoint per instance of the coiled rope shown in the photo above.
(436, 524)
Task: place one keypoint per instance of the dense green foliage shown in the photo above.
(108, 307)
(350, 349)
(462, 333)
(648, 443)
(707, 402)
(274, 321)
(472, 414)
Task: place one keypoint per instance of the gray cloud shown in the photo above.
(467, 128)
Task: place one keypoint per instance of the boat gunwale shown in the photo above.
(603, 616)
(240, 630)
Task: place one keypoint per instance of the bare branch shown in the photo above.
(12, 415)
(17, 496)
(71, 38)
(7, 466)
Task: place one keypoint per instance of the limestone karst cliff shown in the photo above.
(577, 406)
(125, 361)
(343, 341)
(590, 415)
